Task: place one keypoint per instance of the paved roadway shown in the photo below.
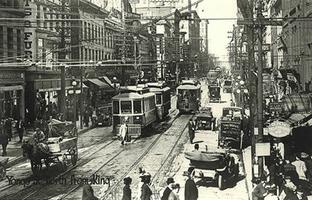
(209, 138)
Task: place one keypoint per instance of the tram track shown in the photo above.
(129, 169)
(109, 193)
(26, 194)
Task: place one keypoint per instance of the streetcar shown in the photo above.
(136, 107)
(163, 98)
(189, 95)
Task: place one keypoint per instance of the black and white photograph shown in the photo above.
(156, 99)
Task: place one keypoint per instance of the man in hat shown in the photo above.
(168, 189)
(146, 190)
(127, 190)
(191, 129)
(191, 191)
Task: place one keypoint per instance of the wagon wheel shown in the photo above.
(2, 172)
(36, 167)
(73, 152)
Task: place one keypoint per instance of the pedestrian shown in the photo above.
(308, 162)
(174, 194)
(86, 118)
(289, 190)
(300, 168)
(88, 193)
(191, 191)
(141, 176)
(259, 191)
(4, 139)
(20, 127)
(146, 193)
(8, 128)
(123, 131)
(127, 190)
(232, 103)
(168, 189)
(39, 136)
(191, 129)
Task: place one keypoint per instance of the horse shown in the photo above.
(35, 153)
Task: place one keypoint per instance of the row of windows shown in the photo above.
(92, 54)
(9, 38)
(126, 107)
(11, 3)
(98, 34)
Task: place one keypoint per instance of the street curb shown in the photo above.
(246, 181)
(20, 159)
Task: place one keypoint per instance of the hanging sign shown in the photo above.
(279, 129)
(263, 149)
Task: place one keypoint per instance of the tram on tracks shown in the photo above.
(163, 98)
(136, 107)
(189, 96)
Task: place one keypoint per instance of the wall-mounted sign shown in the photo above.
(276, 106)
(279, 129)
(30, 31)
(263, 149)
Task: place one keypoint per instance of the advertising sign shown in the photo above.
(30, 31)
(263, 149)
(279, 129)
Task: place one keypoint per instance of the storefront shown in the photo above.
(12, 104)
(100, 92)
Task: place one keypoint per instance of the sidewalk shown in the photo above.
(14, 150)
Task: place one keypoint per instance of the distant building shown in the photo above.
(12, 76)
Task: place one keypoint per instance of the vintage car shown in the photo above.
(205, 119)
(104, 115)
(221, 167)
(214, 93)
(227, 86)
(230, 132)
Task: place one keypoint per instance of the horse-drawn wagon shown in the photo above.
(61, 148)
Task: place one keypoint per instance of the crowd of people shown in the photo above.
(145, 192)
(289, 179)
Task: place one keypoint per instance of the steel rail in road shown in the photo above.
(75, 187)
(113, 189)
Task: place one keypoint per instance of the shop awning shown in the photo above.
(58, 88)
(100, 84)
(11, 88)
(298, 119)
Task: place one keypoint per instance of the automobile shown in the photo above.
(214, 93)
(104, 116)
(205, 119)
(219, 167)
(227, 86)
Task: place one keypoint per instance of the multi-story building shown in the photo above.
(297, 39)
(12, 74)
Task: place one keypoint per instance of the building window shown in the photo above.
(92, 33)
(19, 43)
(10, 38)
(85, 35)
(45, 24)
(89, 31)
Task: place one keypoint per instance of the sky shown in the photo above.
(218, 29)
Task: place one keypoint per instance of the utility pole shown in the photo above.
(123, 70)
(260, 83)
(235, 46)
(207, 47)
(61, 58)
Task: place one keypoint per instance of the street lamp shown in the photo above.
(74, 91)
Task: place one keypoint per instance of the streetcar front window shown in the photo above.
(126, 107)
(158, 99)
(137, 106)
(116, 107)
